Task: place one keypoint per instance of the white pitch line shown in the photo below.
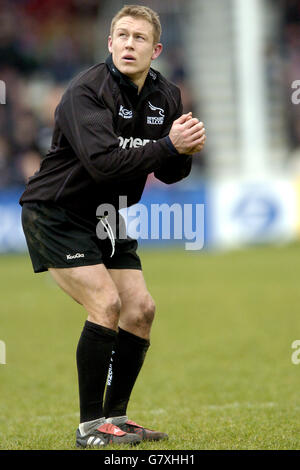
(239, 405)
(160, 411)
(52, 417)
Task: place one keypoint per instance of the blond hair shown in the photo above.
(138, 11)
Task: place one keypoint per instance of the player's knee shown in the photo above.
(112, 304)
(146, 310)
(105, 307)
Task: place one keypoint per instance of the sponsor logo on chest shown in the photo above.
(125, 113)
(159, 116)
(133, 142)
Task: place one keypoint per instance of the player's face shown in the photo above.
(132, 46)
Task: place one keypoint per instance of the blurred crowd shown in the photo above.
(43, 44)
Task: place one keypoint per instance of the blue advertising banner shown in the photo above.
(249, 212)
(163, 217)
(170, 216)
(11, 233)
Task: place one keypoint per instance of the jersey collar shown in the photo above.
(149, 85)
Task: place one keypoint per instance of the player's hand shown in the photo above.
(188, 134)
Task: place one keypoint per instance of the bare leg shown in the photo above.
(136, 316)
(137, 305)
(93, 288)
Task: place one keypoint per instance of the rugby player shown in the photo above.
(116, 123)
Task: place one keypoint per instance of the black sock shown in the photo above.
(93, 356)
(126, 362)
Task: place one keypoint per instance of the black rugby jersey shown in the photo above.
(107, 138)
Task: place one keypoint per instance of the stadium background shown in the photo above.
(235, 62)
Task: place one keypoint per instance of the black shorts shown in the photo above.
(58, 238)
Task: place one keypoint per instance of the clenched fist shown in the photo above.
(188, 134)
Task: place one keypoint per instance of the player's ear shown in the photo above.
(157, 50)
(109, 43)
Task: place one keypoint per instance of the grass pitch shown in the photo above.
(218, 374)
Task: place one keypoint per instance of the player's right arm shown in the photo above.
(87, 123)
(187, 138)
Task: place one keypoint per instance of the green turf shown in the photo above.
(218, 374)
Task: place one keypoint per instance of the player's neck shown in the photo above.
(139, 80)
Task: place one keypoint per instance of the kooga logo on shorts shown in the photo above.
(78, 255)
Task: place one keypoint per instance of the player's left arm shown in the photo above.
(181, 165)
